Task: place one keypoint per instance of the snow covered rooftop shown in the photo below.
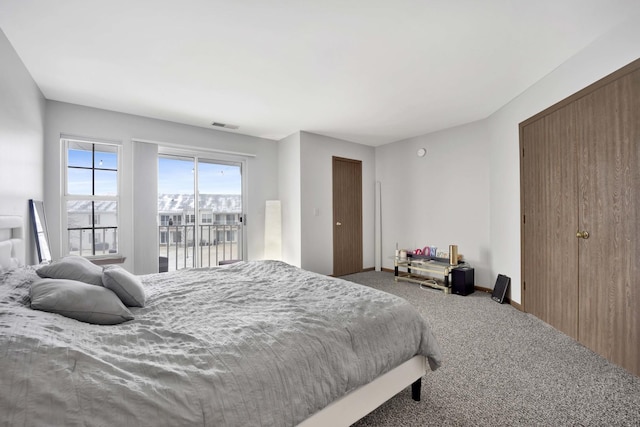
(216, 203)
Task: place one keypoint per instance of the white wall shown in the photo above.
(602, 57)
(82, 121)
(439, 199)
(288, 167)
(22, 112)
(316, 156)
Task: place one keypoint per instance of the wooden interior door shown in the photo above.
(347, 216)
(609, 170)
(550, 248)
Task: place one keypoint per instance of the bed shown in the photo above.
(252, 343)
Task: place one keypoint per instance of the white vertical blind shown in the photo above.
(145, 208)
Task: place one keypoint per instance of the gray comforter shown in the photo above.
(250, 344)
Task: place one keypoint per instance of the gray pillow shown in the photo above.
(127, 286)
(78, 300)
(73, 267)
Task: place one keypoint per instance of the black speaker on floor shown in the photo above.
(462, 280)
(500, 288)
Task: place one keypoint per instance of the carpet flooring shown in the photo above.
(503, 367)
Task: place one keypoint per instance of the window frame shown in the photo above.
(66, 197)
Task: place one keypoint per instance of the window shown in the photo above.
(207, 217)
(208, 193)
(91, 197)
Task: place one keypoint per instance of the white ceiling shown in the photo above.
(367, 71)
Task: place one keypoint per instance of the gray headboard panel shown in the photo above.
(11, 241)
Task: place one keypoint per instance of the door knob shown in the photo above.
(582, 234)
(338, 223)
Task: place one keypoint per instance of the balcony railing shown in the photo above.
(179, 248)
(79, 240)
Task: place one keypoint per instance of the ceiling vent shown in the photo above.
(224, 125)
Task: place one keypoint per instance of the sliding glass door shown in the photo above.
(200, 212)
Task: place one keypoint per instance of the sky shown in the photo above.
(175, 175)
(79, 180)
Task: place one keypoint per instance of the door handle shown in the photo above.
(338, 223)
(582, 234)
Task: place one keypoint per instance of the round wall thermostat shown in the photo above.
(421, 152)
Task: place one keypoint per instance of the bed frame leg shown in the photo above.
(415, 389)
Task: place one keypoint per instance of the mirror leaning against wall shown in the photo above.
(40, 231)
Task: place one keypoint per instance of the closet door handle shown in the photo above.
(582, 234)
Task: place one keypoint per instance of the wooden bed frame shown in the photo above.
(342, 412)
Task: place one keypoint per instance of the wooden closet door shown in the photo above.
(609, 197)
(550, 248)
